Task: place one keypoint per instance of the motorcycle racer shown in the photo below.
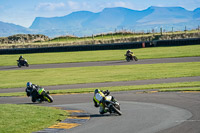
(129, 53)
(130, 56)
(30, 88)
(99, 98)
(21, 58)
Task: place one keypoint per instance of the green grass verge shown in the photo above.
(77, 75)
(180, 89)
(28, 118)
(102, 55)
(14, 94)
(131, 87)
(193, 86)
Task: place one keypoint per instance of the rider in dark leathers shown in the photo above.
(129, 53)
(21, 59)
(32, 90)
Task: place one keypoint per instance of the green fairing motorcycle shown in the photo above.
(41, 95)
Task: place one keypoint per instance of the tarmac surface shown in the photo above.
(103, 63)
(142, 112)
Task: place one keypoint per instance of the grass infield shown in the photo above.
(179, 86)
(62, 76)
(102, 55)
(28, 118)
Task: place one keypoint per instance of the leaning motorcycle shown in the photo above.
(112, 105)
(41, 95)
(22, 63)
(131, 57)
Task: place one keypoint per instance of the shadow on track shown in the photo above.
(104, 115)
(8, 68)
(117, 62)
(36, 103)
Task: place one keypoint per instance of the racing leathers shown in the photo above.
(99, 100)
(129, 53)
(21, 59)
(32, 91)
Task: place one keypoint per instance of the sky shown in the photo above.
(23, 12)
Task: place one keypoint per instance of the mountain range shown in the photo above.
(84, 23)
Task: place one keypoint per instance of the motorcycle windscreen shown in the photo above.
(108, 98)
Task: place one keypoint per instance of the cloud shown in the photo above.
(49, 6)
(120, 4)
(2, 7)
(73, 5)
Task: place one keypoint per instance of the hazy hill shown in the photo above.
(166, 15)
(7, 29)
(197, 14)
(83, 23)
(74, 19)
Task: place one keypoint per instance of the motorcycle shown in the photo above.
(41, 95)
(131, 57)
(22, 63)
(112, 105)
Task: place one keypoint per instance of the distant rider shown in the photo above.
(99, 100)
(30, 88)
(21, 58)
(129, 53)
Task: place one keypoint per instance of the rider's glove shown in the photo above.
(96, 105)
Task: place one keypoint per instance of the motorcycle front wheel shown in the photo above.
(135, 58)
(18, 65)
(48, 98)
(27, 65)
(116, 110)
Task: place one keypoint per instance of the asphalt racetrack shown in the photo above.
(153, 112)
(103, 63)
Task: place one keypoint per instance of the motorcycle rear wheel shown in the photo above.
(127, 59)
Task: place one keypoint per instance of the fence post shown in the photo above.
(160, 31)
(185, 29)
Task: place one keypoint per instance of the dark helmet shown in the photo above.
(96, 91)
(29, 84)
(21, 56)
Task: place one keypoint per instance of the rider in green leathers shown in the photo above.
(99, 98)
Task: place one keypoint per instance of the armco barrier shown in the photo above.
(178, 42)
(130, 45)
(72, 48)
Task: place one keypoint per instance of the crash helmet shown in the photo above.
(129, 51)
(21, 56)
(29, 84)
(96, 91)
